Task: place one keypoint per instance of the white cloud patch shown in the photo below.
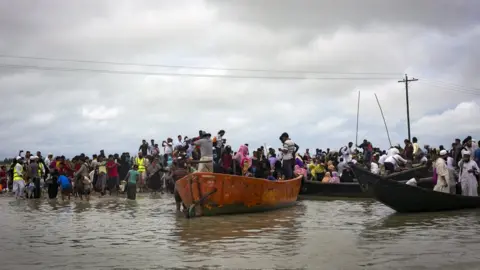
(329, 124)
(461, 120)
(42, 118)
(100, 113)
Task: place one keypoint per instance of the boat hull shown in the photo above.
(365, 178)
(409, 199)
(312, 189)
(220, 194)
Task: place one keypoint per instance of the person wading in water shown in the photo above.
(141, 169)
(179, 170)
(132, 179)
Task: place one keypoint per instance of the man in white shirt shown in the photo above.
(374, 168)
(48, 160)
(342, 165)
(392, 162)
(382, 158)
(168, 147)
(392, 151)
(288, 149)
(179, 142)
(346, 152)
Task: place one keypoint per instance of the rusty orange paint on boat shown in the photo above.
(230, 194)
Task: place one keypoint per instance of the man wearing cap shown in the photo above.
(18, 179)
(206, 152)
(288, 149)
(468, 174)
(443, 175)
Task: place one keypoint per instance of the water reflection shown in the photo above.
(109, 233)
(275, 231)
(411, 240)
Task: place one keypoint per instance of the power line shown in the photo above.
(191, 67)
(454, 85)
(452, 89)
(185, 74)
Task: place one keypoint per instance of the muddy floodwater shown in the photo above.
(113, 233)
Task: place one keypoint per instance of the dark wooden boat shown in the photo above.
(209, 194)
(406, 199)
(315, 188)
(362, 175)
(352, 188)
(417, 172)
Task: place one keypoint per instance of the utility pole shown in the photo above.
(406, 81)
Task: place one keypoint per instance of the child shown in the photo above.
(123, 183)
(87, 187)
(65, 186)
(30, 188)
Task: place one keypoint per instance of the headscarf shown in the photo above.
(299, 161)
(300, 171)
(242, 156)
(326, 178)
(335, 179)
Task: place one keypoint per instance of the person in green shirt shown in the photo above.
(131, 179)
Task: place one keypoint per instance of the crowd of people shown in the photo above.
(154, 171)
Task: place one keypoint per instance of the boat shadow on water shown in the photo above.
(397, 224)
(282, 225)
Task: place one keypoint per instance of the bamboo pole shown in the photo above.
(358, 113)
(384, 122)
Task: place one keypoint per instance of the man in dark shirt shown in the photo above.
(408, 151)
(144, 148)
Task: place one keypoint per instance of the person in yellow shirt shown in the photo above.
(102, 175)
(416, 149)
(317, 170)
(140, 162)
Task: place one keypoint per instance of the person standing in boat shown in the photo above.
(367, 151)
(219, 144)
(408, 150)
(289, 148)
(443, 175)
(346, 152)
(206, 152)
(417, 151)
(468, 174)
(342, 165)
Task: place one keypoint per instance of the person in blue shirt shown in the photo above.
(65, 186)
(476, 156)
(131, 179)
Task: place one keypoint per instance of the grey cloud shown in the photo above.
(330, 15)
(340, 36)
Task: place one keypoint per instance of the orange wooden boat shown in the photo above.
(209, 194)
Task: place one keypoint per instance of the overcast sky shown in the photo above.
(364, 45)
